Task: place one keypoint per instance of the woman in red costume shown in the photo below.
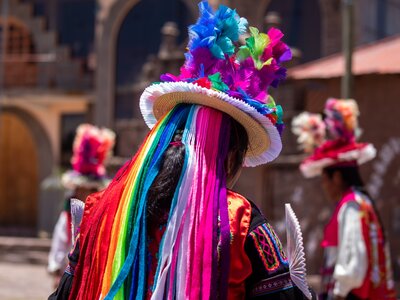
(92, 146)
(356, 262)
(169, 225)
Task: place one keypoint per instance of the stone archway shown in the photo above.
(108, 21)
(45, 153)
(26, 158)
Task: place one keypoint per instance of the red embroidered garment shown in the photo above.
(375, 284)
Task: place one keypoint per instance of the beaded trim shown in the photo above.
(70, 270)
(272, 285)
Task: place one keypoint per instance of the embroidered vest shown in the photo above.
(376, 284)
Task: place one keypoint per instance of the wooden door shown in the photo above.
(19, 183)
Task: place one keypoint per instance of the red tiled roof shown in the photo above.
(381, 57)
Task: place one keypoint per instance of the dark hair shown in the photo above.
(163, 188)
(238, 145)
(352, 178)
(350, 175)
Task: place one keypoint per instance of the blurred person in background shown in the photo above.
(356, 253)
(169, 226)
(91, 147)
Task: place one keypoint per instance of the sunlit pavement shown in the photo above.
(23, 274)
(24, 282)
(31, 282)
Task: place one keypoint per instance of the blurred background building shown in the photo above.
(64, 62)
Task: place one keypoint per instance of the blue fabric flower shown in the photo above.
(260, 107)
(217, 31)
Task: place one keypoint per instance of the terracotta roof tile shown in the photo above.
(381, 57)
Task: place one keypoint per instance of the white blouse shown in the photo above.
(350, 257)
(60, 246)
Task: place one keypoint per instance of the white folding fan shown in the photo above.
(295, 252)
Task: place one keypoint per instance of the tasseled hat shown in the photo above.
(341, 124)
(92, 145)
(235, 79)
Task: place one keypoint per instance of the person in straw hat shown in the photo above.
(169, 225)
(91, 147)
(356, 257)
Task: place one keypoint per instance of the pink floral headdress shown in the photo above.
(92, 146)
(341, 122)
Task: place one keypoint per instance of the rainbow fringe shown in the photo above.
(193, 260)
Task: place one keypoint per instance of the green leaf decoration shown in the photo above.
(250, 41)
(261, 41)
(255, 46)
(217, 83)
(243, 53)
(270, 102)
(268, 62)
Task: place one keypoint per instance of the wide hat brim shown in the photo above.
(357, 153)
(264, 139)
